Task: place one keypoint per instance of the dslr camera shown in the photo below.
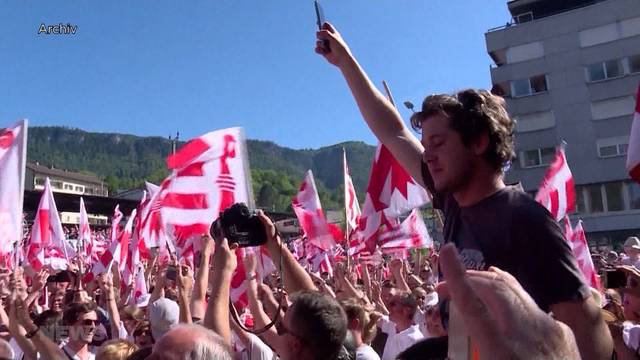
(239, 225)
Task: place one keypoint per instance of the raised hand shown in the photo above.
(337, 51)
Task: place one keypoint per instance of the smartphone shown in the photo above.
(616, 279)
(319, 14)
(320, 21)
(171, 272)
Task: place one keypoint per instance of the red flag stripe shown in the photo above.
(187, 153)
(186, 201)
(194, 169)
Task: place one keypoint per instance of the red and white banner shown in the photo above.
(140, 290)
(13, 153)
(351, 205)
(580, 248)
(557, 192)
(264, 267)
(391, 192)
(410, 234)
(48, 244)
(125, 264)
(306, 205)
(105, 260)
(633, 153)
(209, 174)
(84, 232)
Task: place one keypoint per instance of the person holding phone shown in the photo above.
(466, 143)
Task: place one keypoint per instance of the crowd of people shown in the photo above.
(505, 285)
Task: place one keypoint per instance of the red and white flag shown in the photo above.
(410, 234)
(580, 248)
(391, 192)
(351, 205)
(264, 267)
(557, 192)
(306, 205)
(633, 153)
(48, 244)
(125, 264)
(84, 233)
(113, 252)
(13, 155)
(209, 174)
(140, 290)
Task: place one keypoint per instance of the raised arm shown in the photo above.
(295, 277)
(184, 279)
(199, 295)
(381, 116)
(225, 262)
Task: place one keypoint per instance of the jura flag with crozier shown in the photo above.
(84, 233)
(580, 249)
(557, 192)
(391, 192)
(48, 244)
(13, 152)
(209, 174)
(306, 205)
(633, 154)
(352, 208)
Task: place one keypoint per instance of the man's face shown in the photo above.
(449, 161)
(85, 327)
(387, 294)
(57, 303)
(397, 311)
(293, 342)
(420, 295)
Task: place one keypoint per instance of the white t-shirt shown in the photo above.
(631, 335)
(626, 260)
(68, 352)
(420, 319)
(401, 341)
(366, 352)
(17, 350)
(256, 349)
(387, 326)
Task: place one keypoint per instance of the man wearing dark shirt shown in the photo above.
(466, 142)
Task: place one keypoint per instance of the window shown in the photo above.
(535, 121)
(615, 200)
(525, 87)
(614, 107)
(537, 157)
(604, 70)
(524, 17)
(56, 184)
(581, 205)
(596, 204)
(79, 188)
(68, 187)
(634, 195)
(609, 147)
(524, 52)
(40, 181)
(634, 63)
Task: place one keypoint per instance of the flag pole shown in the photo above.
(346, 206)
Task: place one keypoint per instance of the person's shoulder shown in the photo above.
(523, 206)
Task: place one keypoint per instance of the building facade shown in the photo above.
(68, 182)
(569, 71)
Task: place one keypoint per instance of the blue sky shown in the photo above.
(154, 67)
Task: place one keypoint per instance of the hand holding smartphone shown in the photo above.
(320, 21)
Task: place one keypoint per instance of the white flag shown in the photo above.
(13, 151)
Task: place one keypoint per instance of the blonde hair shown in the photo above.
(116, 350)
(368, 320)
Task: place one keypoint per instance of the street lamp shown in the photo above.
(409, 105)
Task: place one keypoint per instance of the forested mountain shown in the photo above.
(125, 161)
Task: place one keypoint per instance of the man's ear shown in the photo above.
(481, 144)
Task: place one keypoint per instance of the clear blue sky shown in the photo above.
(153, 67)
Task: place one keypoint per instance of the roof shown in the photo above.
(37, 168)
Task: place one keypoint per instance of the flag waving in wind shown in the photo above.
(13, 152)
(391, 192)
(352, 208)
(306, 205)
(633, 154)
(557, 192)
(84, 233)
(48, 244)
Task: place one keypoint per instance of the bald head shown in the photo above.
(190, 342)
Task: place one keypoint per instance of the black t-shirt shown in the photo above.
(513, 232)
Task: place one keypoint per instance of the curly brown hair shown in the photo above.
(472, 113)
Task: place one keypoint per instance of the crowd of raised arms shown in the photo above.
(504, 285)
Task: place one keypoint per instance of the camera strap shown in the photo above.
(276, 318)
